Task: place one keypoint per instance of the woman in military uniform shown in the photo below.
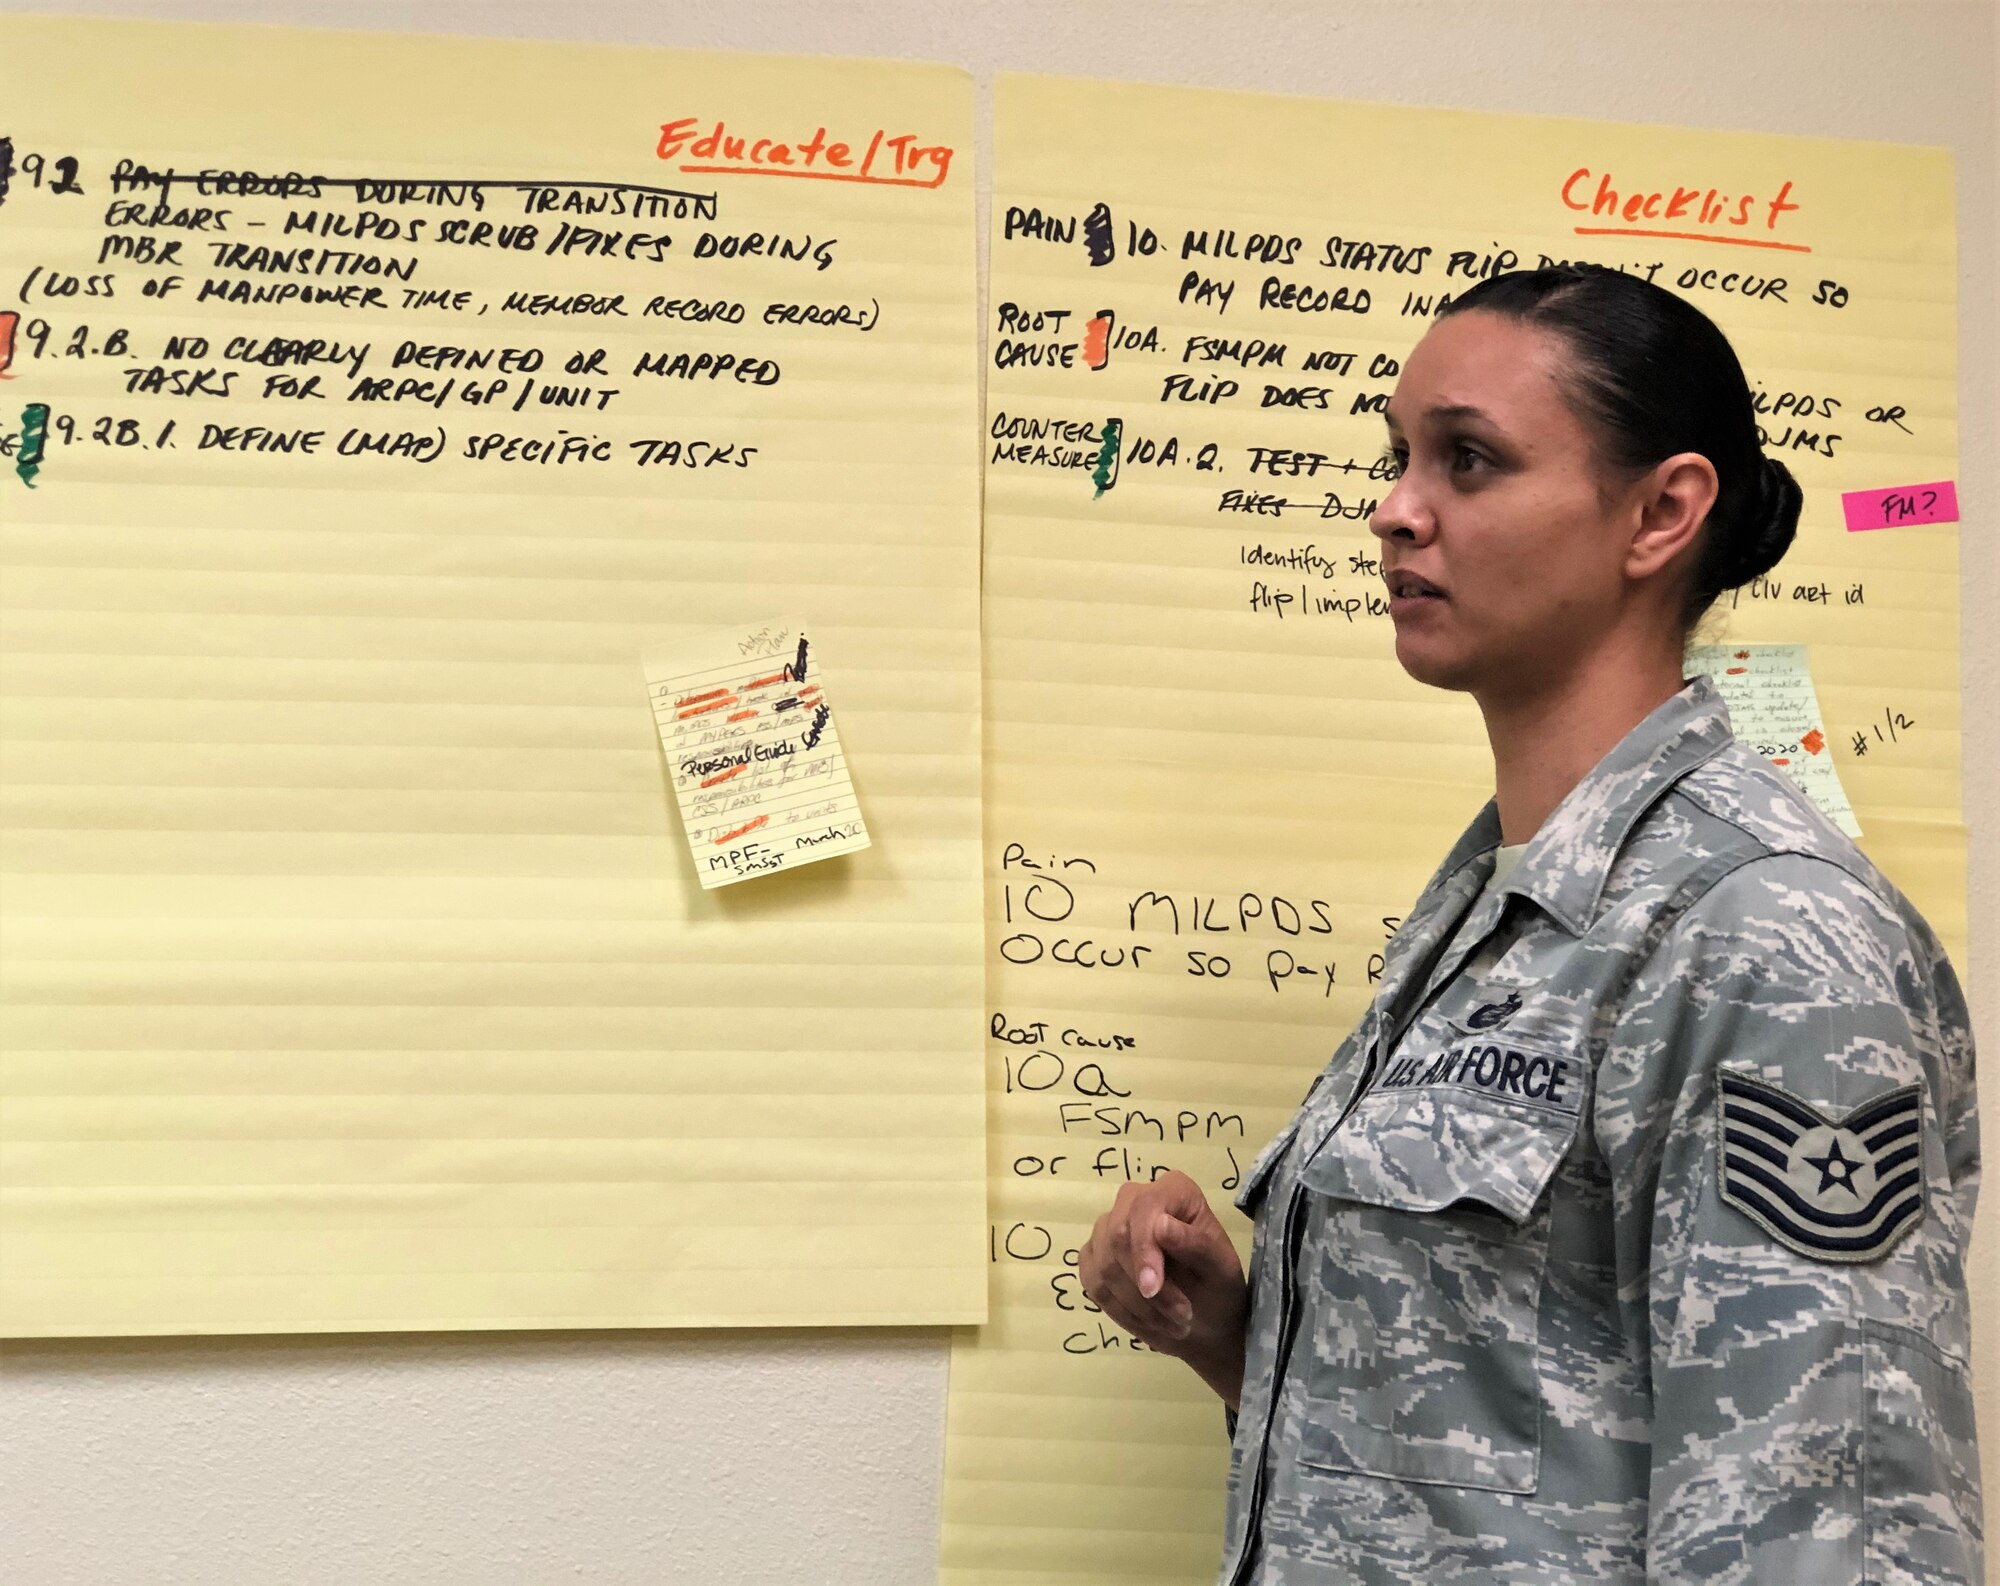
(1623, 1240)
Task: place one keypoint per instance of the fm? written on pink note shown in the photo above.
(1900, 505)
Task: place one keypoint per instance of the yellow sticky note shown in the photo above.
(753, 751)
(1211, 790)
(400, 393)
(1774, 708)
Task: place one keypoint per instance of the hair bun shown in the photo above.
(1771, 523)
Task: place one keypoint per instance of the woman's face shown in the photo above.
(1505, 563)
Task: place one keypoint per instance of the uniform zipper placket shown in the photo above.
(1294, 1227)
(1293, 1236)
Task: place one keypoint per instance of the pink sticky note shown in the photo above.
(1900, 505)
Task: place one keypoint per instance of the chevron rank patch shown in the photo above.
(1834, 1191)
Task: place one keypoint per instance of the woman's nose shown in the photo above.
(1401, 515)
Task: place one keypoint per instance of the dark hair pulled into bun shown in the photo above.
(1762, 536)
(1652, 375)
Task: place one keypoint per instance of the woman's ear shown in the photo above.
(1674, 500)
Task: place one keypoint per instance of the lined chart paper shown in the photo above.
(1212, 791)
(354, 974)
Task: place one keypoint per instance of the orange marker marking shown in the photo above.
(816, 176)
(730, 837)
(1097, 340)
(739, 715)
(703, 710)
(1686, 236)
(724, 776)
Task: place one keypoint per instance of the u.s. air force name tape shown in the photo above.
(1493, 1068)
(1835, 1191)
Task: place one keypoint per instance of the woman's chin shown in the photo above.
(1428, 664)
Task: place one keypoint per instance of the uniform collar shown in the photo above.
(1568, 859)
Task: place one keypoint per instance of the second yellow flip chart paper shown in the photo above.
(1210, 789)
(389, 396)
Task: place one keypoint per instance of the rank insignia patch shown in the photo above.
(1835, 1191)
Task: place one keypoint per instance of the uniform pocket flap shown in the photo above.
(1260, 1170)
(1423, 1150)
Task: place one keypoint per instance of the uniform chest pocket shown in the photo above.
(1426, 1239)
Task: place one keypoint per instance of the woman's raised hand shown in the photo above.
(1160, 1266)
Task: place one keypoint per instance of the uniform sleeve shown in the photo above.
(1785, 1104)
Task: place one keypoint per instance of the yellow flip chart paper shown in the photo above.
(755, 756)
(1773, 707)
(391, 396)
(1211, 791)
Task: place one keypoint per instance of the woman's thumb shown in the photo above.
(1177, 1234)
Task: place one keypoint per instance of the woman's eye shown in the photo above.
(1393, 462)
(1464, 458)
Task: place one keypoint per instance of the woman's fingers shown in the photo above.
(1178, 1235)
(1148, 1262)
(1125, 1265)
(1160, 1266)
(1163, 1317)
(1158, 1328)
(1110, 1282)
(1197, 1245)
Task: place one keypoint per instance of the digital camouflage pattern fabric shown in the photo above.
(1623, 1240)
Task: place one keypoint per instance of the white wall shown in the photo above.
(520, 1459)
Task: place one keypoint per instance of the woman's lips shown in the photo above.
(1410, 591)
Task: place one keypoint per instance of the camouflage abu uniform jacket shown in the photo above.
(1623, 1240)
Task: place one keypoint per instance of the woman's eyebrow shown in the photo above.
(1444, 410)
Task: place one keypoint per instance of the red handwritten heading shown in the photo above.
(1702, 206)
(899, 161)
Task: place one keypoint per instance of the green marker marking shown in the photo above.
(34, 442)
(1105, 474)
